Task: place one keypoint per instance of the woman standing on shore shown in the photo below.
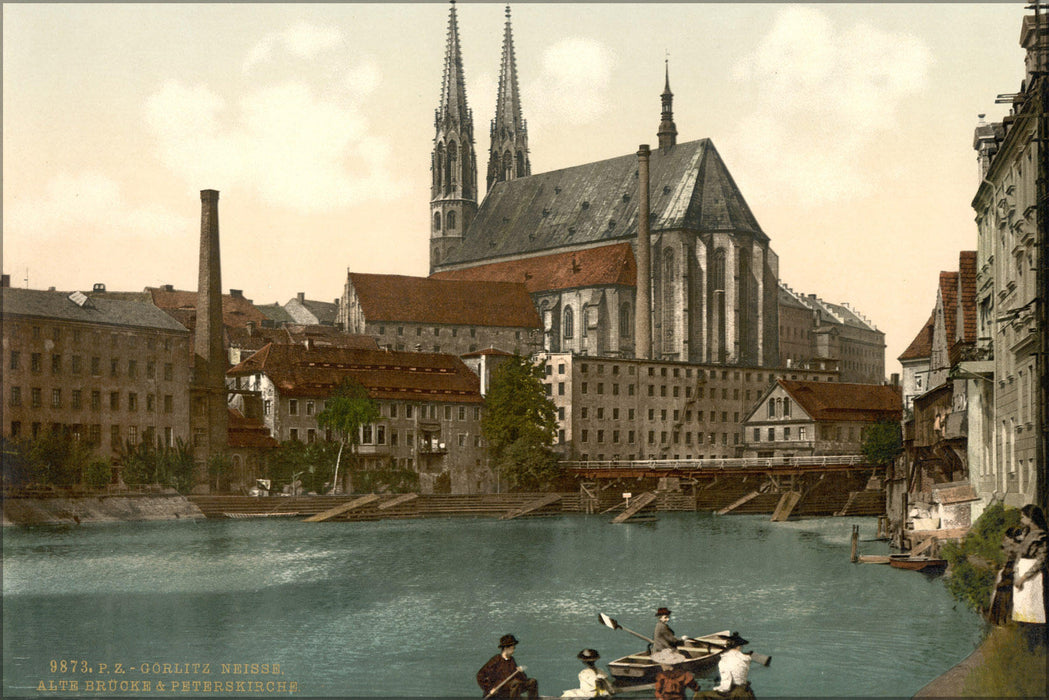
(1029, 578)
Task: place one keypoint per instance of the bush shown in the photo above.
(976, 560)
(391, 480)
(98, 474)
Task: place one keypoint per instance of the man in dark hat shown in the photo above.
(501, 677)
(733, 667)
(664, 643)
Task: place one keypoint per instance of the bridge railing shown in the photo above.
(716, 464)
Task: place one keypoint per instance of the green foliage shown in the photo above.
(882, 441)
(98, 474)
(1009, 667)
(147, 463)
(387, 480)
(348, 409)
(519, 425)
(975, 561)
(311, 463)
(443, 483)
(52, 459)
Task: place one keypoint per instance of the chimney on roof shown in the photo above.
(894, 379)
(51, 289)
(642, 297)
(238, 293)
(301, 296)
(5, 281)
(99, 287)
(168, 288)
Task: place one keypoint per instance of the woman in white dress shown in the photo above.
(593, 682)
(1029, 578)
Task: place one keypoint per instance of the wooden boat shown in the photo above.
(638, 671)
(917, 563)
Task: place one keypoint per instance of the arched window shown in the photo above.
(438, 166)
(772, 408)
(453, 166)
(569, 323)
(668, 295)
(719, 269)
(786, 408)
(508, 166)
(450, 221)
(624, 320)
(437, 221)
(520, 164)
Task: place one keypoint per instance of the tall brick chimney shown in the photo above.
(642, 299)
(209, 419)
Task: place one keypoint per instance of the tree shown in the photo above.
(349, 408)
(977, 558)
(54, 458)
(882, 441)
(520, 424)
(147, 463)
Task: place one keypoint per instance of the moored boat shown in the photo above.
(638, 671)
(917, 563)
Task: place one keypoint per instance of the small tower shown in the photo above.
(667, 130)
(508, 156)
(453, 192)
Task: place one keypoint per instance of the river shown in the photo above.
(415, 607)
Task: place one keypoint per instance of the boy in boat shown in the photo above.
(593, 682)
(501, 677)
(672, 681)
(733, 667)
(664, 643)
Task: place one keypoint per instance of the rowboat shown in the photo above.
(638, 671)
(917, 563)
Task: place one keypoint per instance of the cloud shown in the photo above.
(572, 86)
(303, 143)
(824, 94)
(302, 40)
(86, 203)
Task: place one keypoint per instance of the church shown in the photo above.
(651, 255)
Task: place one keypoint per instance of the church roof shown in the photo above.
(590, 267)
(598, 202)
(395, 298)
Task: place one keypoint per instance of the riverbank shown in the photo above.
(98, 508)
(1003, 665)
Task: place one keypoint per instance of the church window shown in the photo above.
(624, 320)
(453, 165)
(520, 164)
(719, 269)
(569, 324)
(450, 219)
(437, 221)
(668, 296)
(508, 166)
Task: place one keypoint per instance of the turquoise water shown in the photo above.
(415, 607)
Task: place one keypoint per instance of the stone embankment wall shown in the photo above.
(101, 508)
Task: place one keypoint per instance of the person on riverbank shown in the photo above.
(1029, 577)
(1001, 610)
(593, 682)
(501, 677)
(664, 643)
(733, 669)
(671, 682)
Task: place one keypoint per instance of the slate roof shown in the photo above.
(57, 305)
(591, 267)
(409, 376)
(836, 401)
(275, 312)
(392, 298)
(598, 202)
(967, 294)
(236, 310)
(323, 311)
(247, 432)
(318, 335)
(921, 347)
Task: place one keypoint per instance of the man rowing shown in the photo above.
(501, 677)
(664, 643)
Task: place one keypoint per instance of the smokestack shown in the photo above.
(643, 301)
(209, 412)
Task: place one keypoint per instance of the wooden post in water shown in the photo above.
(855, 543)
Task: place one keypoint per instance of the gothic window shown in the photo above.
(450, 221)
(453, 167)
(569, 323)
(437, 221)
(719, 269)
(438, 168)
(624, 320)
(668, 295)
(520, 164)
(508, 166)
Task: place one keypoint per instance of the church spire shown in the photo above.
(667, 129)
(508, 156)
(453, 166)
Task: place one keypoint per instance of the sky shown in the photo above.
(847, 127)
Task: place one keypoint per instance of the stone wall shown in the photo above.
(103, 508)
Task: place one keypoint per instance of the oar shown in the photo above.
(610, 622)
(503, 682)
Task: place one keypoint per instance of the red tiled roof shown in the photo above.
(842, 401)
(182, 305)
(297, 371)
(590, 267)
(247, 432)
(967, 294)
(298, 333)
(921, 347)
(394, 298)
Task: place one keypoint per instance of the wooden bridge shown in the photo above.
(690, 468)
